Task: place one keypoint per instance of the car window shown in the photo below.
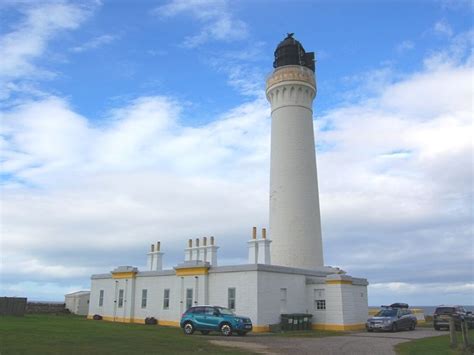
(209, 311)
(387, 313)
(199, 310)
(445, 310)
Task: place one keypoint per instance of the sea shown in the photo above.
(429, 310)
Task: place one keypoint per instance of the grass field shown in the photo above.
(434, 346)
(68, 334)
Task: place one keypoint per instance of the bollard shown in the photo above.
(452, 333)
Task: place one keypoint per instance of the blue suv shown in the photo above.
(213, 318)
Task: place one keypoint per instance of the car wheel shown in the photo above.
(242, 334)
(370, 330)
(436, 327)
(188, 328)
(394, 327)
(204, 332)
(413, 326)
(226, 329)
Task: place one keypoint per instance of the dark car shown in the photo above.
(213, 318)
(442, 315)
(392, 319)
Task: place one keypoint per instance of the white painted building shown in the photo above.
(285, 273)
(78, 302)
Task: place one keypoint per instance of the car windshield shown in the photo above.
(226, 311)
(445, 310)
(387, 313)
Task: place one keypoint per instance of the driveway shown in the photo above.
(350, 344)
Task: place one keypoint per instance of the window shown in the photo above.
(189, 298)
(120, 300)
(199, 310)
(209, 311)
(166, 299)
(319, 299)
(320, 304)
(144, 297)
(283, 297)
(231, 298)
(101, 298)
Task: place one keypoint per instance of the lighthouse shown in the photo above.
(295, 222)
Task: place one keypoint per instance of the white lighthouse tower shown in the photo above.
(295, 222)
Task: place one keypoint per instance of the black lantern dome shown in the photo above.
(291, 52)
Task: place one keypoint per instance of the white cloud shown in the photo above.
(218, 23)
(27, 41)
(443, 28)
(94, 43)
(405, 46)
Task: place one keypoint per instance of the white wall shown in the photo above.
(269, 296)
(245, 284)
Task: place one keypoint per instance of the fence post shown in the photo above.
(465, 339)
(452, 333)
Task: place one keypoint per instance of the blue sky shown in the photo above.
(127, 122)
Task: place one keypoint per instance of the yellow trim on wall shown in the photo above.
(338, 327)
(124, 275)
(261, 328)
(168, 323)
(191, 271)
(338, 282)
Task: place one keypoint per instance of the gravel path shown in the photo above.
(351, 344)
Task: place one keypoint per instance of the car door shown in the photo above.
(212, 318)
(199, 318)
(406, 319)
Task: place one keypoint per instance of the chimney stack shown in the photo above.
(263, 249)
(155, 258)
(253, 247)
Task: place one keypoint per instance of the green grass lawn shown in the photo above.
(434, 346)
(68, 334)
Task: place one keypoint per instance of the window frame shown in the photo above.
(320, 304)
(121, 297)
(166, 300)
(189, 299)
(101, 298)
(144, 298)
(230, 299)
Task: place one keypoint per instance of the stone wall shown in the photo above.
(45, 307)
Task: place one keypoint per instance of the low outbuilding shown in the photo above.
(78, 302)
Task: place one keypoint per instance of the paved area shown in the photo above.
(351, 344)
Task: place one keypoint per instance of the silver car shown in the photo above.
(392, 319)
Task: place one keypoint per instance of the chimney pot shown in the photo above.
(197, 242)
(152, 247)
(212, 240)
(158, 246)
(190, 243)
(264, 233)
(254, 232)
(204, 241)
